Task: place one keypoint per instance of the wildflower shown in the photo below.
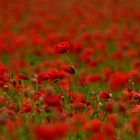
(104, 95)
(54, 100)
(23, 76)
(51, 131)
(55, 75)
(134, 125)
(118, 80)
(69, 69)
(135, 109)
(121, 107)
(109, 129)
(98, 136)
(42, 77)
(110, 106)
(62, 47)
(26, 107)
(94, 125)
(112, 119)
(93, 78)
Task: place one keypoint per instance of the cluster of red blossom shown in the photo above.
(70, 70)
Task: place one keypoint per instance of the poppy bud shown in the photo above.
(69, 69)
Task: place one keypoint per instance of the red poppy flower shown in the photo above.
(62, 47)
(104, 95)
(23, 76)
(118, 80)
(26, 107)
(112, 119)
(134, 125)
(55, 75)
(54, 100)
(135, 109)
(109, 129)
(52, 131)
(94, 125)
(110, 106)
(121, 107)
(69, 69)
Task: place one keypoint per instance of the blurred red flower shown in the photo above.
(62, 47)
(51, 131)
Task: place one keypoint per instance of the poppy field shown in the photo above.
(70, 70)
